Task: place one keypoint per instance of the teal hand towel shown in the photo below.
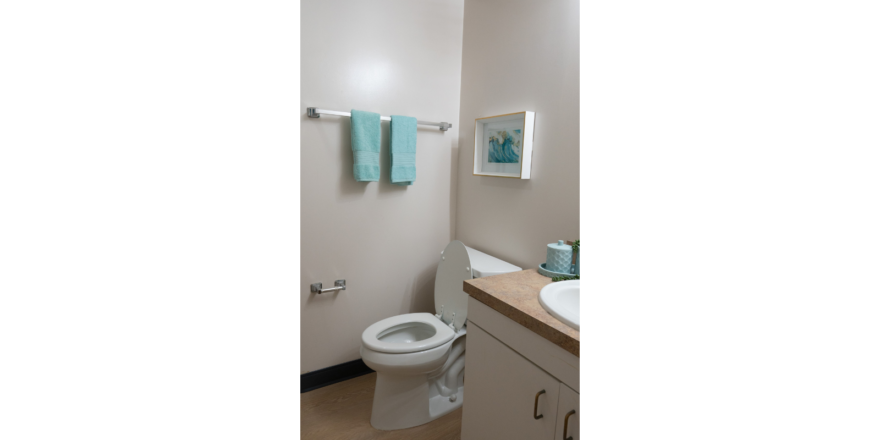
(403, 150)
(365, 145)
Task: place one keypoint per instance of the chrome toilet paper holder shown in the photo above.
(317, 287)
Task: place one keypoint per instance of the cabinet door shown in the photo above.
(568, 401)
(500, 390)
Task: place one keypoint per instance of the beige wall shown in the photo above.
(431, 60)
(390, 57)
(521, 55)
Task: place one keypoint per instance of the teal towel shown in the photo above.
(365, 145)
(403, 150)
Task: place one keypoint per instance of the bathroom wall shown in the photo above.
(521, 55)
(390, 57)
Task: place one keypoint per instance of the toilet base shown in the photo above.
(405, 401)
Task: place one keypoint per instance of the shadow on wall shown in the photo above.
(422, 300)
(501, 182)
(453, 185)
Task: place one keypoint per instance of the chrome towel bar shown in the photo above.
(314, 112)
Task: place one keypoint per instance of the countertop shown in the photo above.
(515, 295)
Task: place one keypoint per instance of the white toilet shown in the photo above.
(419, 357)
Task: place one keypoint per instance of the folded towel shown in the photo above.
(403, 150)
(365, 145)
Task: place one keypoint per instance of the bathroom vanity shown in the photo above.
(522, 364)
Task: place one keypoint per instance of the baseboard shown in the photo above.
(330, 375)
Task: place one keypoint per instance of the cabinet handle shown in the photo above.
(538, 416)
(565, 429)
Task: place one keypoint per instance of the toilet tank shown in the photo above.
(485, 265)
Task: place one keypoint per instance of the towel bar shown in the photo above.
(314, 112)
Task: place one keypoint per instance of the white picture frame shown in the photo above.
(503, 145)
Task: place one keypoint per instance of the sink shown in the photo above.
(563, 300)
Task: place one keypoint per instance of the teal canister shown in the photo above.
(559, 257)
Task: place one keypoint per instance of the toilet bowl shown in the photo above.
(419, 357)
(422, 337)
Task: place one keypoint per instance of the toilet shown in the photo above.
(419, 357)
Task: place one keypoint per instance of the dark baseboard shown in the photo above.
(330, 375)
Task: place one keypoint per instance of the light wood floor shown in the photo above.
(342, 411)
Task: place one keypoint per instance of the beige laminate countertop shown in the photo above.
(515, 295)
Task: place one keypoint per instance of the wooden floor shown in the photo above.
(342, 411)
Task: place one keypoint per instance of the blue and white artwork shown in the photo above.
(505, 146)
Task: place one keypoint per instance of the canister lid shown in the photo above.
(560, 245)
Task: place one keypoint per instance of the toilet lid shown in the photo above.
(454, 269)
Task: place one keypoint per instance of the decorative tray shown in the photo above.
(542, 269)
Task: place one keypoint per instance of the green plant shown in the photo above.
(576, 246)
(565, 278)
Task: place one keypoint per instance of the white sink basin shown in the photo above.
(563, 300)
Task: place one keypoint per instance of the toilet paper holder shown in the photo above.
(317, 287)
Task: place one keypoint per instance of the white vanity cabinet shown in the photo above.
(503, 391)
(517, 386)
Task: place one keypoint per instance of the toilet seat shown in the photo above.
(408, 333)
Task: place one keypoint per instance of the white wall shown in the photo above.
(521, 55)
(390, 57)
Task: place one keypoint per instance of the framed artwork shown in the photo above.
(503, 145)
